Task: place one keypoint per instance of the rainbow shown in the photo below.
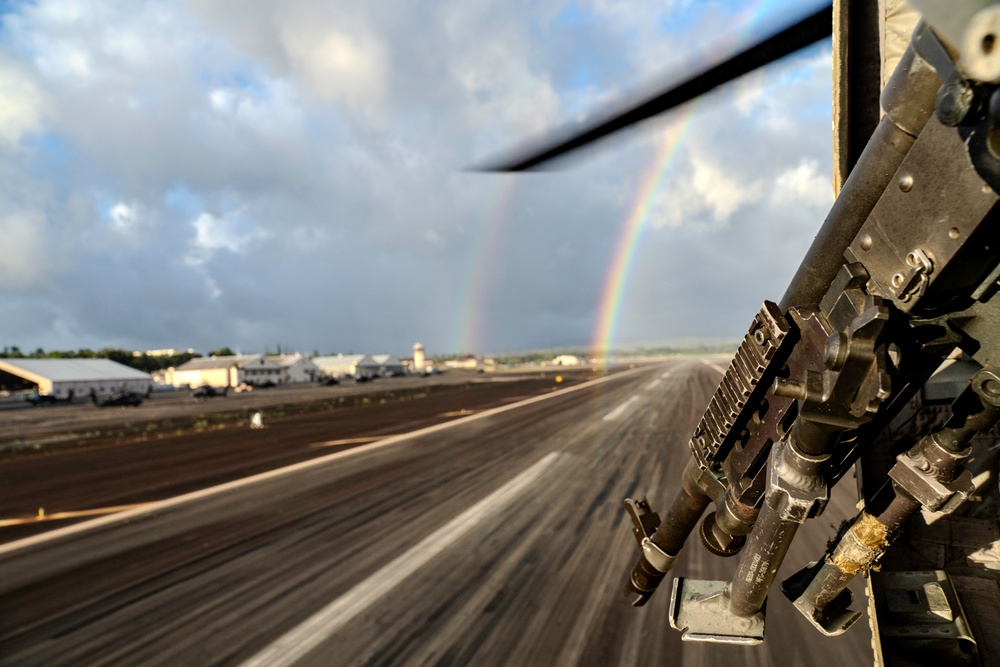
(619, 271)
(620, 268)
(481, 266)
(481, 261)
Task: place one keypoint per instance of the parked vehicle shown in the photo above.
(266, 384)
(37, 399)
(208, 391)
(122, 398)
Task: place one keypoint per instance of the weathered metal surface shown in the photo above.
(700, 610)
(921, 620)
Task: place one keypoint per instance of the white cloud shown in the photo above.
(22, 102)
(219, 233)
(124, 218)
(803, 184)
(490, 65)
(749, 90)
(271, 110)
(702, 190)
(222, 100)
(340, 67)
(723, 192)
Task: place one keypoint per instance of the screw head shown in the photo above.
(953, 102)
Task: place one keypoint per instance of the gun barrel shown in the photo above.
(909, 99)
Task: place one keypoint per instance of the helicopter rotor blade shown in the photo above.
(809, 30)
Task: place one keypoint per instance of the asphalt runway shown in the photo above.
(77, 477)
(498, 539)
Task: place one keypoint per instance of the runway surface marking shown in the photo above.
(351, 441)
(630, 402)
(70, 514)
(621, 409)
(458, 413)
(714, 367)
(299, 641)
(295, 467)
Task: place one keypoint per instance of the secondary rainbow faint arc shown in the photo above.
(481, 267)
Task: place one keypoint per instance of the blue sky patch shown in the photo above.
(186, 202)
(574, 16)
(52, 148)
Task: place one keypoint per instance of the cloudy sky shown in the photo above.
(201, 173)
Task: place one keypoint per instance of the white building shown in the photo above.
(566, 360)
(228, 371)
(342, 365)
(296, 368)
(66, 378)
(469, 363)
(418, 357)
(388, 364)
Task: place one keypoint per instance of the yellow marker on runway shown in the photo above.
(72, 514)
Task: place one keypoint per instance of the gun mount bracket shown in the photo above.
(833, 618)
(700, 610)
(923, 480)
(919, 616)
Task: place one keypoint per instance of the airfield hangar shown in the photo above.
(231, 371)
(68, 378)
(388, 364)
(343, 365)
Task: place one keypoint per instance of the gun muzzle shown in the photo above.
(654, 562)
(643, 581)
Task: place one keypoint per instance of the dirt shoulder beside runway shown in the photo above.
(31, 431)
(142, 455)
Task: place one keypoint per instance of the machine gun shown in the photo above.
(904, 272)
